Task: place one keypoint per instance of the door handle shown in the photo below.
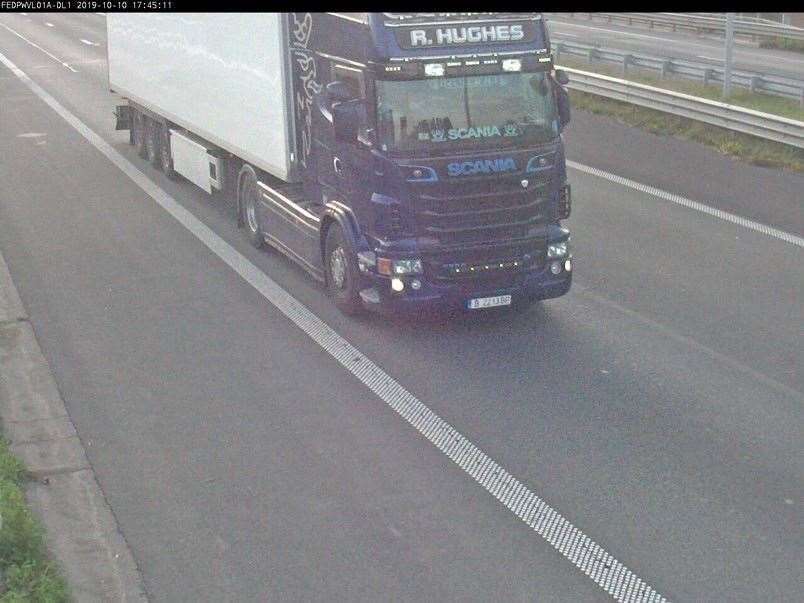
(336, 164)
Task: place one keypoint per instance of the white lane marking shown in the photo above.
(701, 56)
(31, 135)
(101, 14)
(89, 43)
(49, 24)
(680, 200)
(572, 543)
(35, 45)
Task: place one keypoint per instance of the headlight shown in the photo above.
(558, 250)
(399, 267)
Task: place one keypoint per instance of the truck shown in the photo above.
(409, 161)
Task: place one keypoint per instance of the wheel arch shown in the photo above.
(337, 213)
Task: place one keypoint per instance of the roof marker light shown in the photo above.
(512, 65)
(434, 69)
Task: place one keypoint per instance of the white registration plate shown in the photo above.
(489, 302)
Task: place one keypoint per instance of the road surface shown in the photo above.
(657, 406)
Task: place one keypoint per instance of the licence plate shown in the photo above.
(489, 302)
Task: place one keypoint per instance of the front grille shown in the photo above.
(396, 225)
(484, 211)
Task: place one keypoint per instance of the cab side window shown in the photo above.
(353, 78)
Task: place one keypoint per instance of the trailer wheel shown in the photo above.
(343, 279)
(165, 158)
(247, 205)
(139, 133)
(152, 141)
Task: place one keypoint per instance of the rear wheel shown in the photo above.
(247, 192)
(343, 279)
(152, 133)
(138, 131)
(165, 158)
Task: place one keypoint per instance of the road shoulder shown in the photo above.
(82, 533)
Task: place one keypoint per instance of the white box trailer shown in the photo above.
(226, 79)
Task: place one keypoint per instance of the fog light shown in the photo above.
(568, 265)
(555, 267)
(416, 284)
(397, 284)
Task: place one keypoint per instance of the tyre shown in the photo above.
(152, 129)
(138, 131)
(247, 195)
(343, 278)
(165, 158)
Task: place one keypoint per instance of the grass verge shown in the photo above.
(26, 574)
(735, 144)
(742, 97)
(782, 44)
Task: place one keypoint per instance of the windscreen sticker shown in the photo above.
(459, 83)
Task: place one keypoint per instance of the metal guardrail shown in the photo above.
(692, 70)
(731, 117)
(703, 22)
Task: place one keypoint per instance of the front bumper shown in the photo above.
(540, 283)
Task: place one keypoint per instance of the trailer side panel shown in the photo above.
(225, 79)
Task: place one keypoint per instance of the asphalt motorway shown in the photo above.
(657, 406)
(686, 45)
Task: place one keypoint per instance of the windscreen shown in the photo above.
(444, 114)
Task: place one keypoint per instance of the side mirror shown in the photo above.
(562, 77)
(338, 92)
(346, 120)
(562, 100)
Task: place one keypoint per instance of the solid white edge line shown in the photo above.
(689, 203)
(451, 442)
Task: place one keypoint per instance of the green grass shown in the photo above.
(742, 97)
(782, 44)
(741, 146)
(26, 574)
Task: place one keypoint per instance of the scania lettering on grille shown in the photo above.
(481, 166)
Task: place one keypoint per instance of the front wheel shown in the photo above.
(343, 279)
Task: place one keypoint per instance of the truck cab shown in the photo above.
(439, 150)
